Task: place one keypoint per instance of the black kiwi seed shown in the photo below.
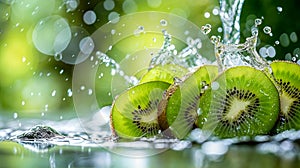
(245, 104)
(287, 78)
(134, 112)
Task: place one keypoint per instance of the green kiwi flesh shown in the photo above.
(244, 103)
(287, 76)
(178, 108)
(165, 73)
(134, 112)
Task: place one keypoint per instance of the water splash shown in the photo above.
(230, 55)
(230, 52)
(230, 12)
(188, 57)
(115, 68)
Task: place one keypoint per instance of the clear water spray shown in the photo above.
(229, 52)
(230, 12)
(188, 57)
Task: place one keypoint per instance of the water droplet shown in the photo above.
(58, 57)
(114, 17)
(263, 52)
(109, 5)
(215, 39)
(277, 42)
(271, 51)
(163, 22)
(82, 87)
(294, 59)
(215, 85)
(53, 93)
(267, 30)
(215, 11)
(70, 93)
(284, 40)
(154, 3)
(279, 9)
(220, 29)
(258, 22)
(89, 17)
(86, 45)
(51, 35)
(206, 28)
(206, 14)
(23, 59)
(129, 6)
(294, 37)
(113, 31)
(71, 5)
(15, 115)
(23, 103)
(288, 57)
(61, 71)
(90, 92)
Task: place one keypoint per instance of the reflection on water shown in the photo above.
(75, 147)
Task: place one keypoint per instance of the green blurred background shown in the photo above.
(35, 83)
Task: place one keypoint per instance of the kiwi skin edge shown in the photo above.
(205, 74)
(129, 108)
(262, 122)
(287, 72)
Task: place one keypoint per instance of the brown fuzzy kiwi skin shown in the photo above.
(161, 112)
(162, 107)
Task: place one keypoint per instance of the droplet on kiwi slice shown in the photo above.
(178, 108)
(287, 76)
(134, 112)
(245, 103)
(165, 73)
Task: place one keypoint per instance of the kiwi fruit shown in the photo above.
(242, 101)
(288, 78)
(134, 112)
(177, 111)
(165, 73)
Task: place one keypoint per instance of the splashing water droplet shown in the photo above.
(163, 22)
(58, 57)
(279, 9)
(109, 5)
(89, 17)
(258, 22)
(114, 17)
(82, 87)
(267, 30)
(90, 92)
(15, 115)
(51, 35)
(86, 45)
(70, 93)
(206, 29)
(53, 93)
(215, 39)
(71, 5)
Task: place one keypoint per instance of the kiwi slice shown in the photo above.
(134, 112)
(178, 108)
(288, 78)
(242, 101)
(165, 73)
